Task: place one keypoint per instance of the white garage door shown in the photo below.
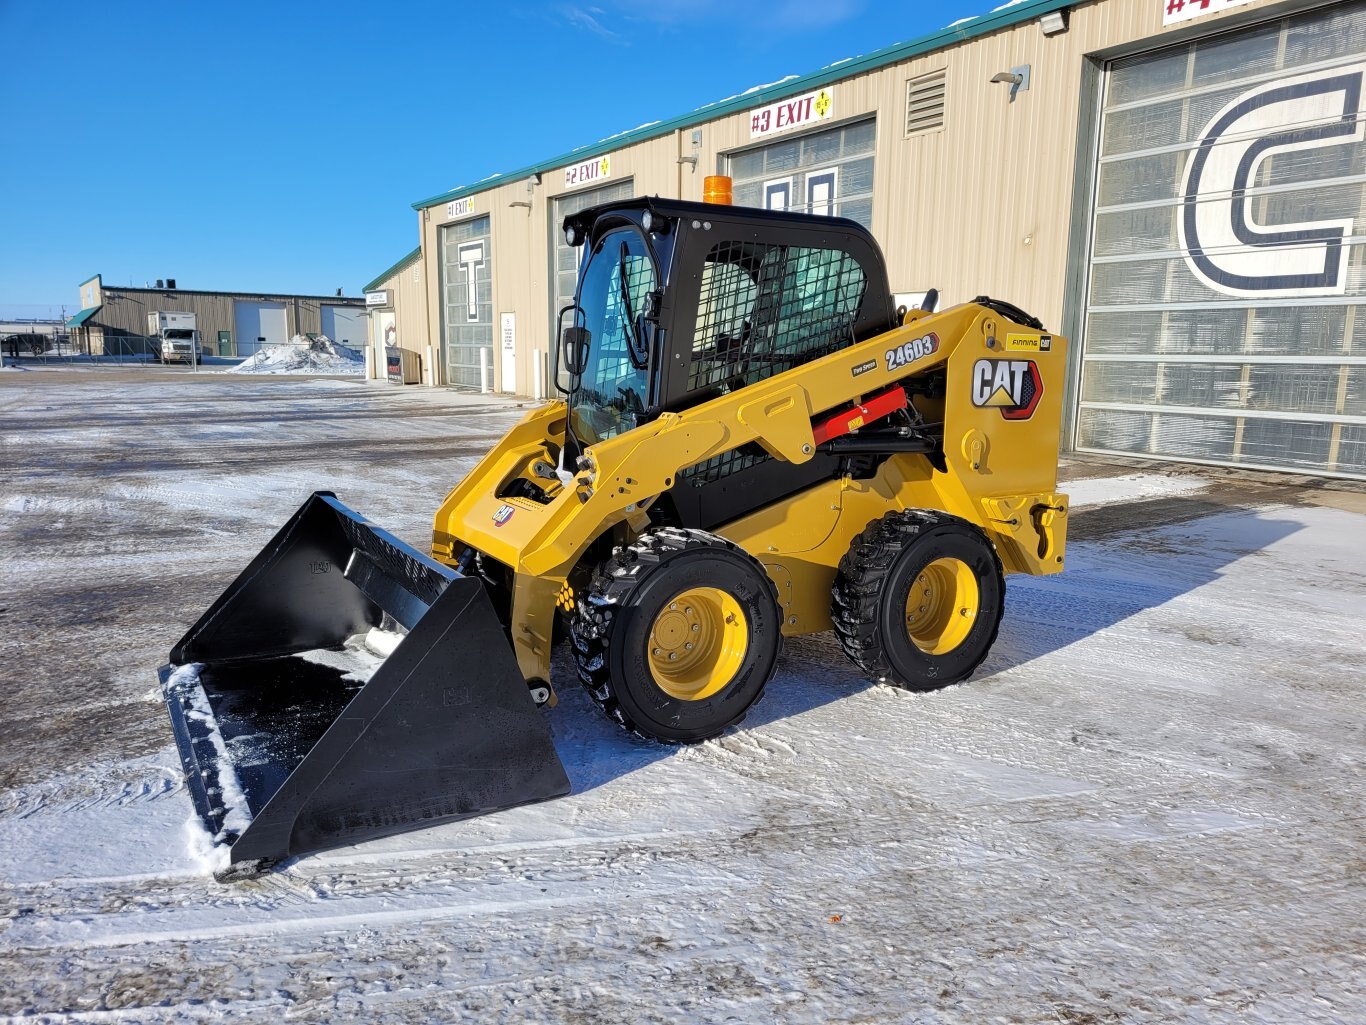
(346, 324)
(1228, 271)
(259, 324)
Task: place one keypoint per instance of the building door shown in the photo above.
(259, 324)
(346, 324)
(828, 172)
(384, 335)
(467, 303)
(566, 256)
(1226, 277)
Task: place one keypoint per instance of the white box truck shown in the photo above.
(176, 335)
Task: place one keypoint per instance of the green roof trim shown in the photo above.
(969, 28)
(410, 258)
(84, 315)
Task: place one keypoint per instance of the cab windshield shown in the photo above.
(611, 391)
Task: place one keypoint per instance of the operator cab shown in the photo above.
(680, 302)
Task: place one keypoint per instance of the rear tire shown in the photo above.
(678, 635)
(918, 599)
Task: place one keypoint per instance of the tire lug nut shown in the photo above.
(673, 605)
(696, 628)
(688, 645)
(673, 655)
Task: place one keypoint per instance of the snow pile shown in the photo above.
(305, 354)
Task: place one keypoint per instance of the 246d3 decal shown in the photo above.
(911, 351)
(1013, 386)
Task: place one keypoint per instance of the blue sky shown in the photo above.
(277, 146)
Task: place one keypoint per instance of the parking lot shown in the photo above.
(1146, 806)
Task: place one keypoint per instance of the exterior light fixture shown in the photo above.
(1053, 22)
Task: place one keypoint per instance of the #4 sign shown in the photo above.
(1174, 11)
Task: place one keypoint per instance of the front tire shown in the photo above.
(918, 599)
(678, 635)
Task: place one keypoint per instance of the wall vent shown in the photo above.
(925, 103)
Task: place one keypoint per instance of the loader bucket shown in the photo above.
(288, 748)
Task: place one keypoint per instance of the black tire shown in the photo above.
(612, 626)
(873, 586)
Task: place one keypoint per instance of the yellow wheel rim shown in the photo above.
(697, 643)
(942, 606)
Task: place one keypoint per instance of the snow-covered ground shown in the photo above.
(1147, 806)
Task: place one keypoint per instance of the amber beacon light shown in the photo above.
(716, 189)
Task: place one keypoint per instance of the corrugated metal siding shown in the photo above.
(408, 294)
(982, 206)
(125, 310)
(521, 242)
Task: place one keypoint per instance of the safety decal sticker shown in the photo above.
(1013, 386)
(911, 351)
(1029, 343)
(503, 514)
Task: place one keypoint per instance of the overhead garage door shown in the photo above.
(1227, 275)
(259, 324)
(346, 324)
(467, 310)
(566, 256)
(829, 172)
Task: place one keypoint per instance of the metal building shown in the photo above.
(396, 301)
(1174, 184)
(113, 319)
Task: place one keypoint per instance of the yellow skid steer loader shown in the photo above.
(753, 443)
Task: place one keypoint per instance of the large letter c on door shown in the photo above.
(1222, 245)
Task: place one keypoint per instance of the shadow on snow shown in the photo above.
(1123, 559)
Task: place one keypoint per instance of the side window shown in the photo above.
(821, 291)
(766, 308)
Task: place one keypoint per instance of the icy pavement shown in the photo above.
(1147, 807)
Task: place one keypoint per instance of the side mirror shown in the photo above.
(574, 342)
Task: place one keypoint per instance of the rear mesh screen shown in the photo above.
(767, 308)
(764, 309)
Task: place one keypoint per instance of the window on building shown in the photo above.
(828, 173)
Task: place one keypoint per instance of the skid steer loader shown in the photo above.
(753, 443)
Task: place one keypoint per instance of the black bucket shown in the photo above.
(288, 750)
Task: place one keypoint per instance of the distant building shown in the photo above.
(397, 304)
(113, 319)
